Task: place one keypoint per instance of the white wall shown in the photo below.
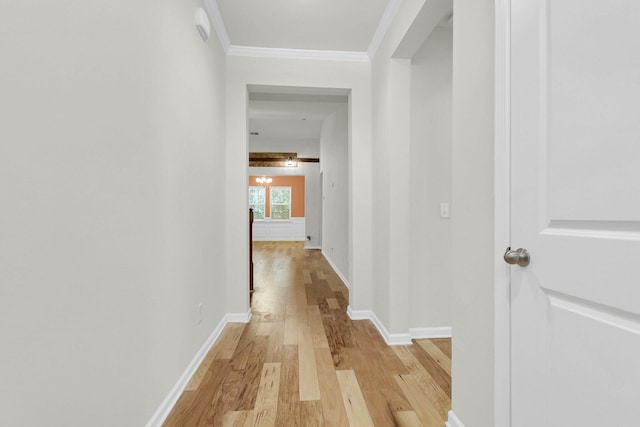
(312, 204)
(334, 164)
(306, 147)
(471, 190)
(391, 79)
(355, 79)
(380, 198)
(472, 209)
(309, 148)
(394, 166)
(430, 181)
(112, 172)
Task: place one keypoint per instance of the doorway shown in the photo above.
(313, 125)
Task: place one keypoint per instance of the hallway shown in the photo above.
(302, 362)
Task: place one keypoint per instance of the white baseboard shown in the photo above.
(422, 333)
(398, 339)
(453, 421)
(278, 239)
(358, 314)
(337, 270)
(390, 339)
(314, 247)
(237, 317)
(169, 402)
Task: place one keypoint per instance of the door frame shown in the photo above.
(502, 215)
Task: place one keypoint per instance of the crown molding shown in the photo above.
(322, 55)
(218, 24)
(385, 22)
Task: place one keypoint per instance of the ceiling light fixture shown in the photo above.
(264, 180)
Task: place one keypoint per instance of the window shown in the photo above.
(280, 202)
(256, 201)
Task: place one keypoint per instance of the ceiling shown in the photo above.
(276, 114)
(317, 26)
(320, 29)
(323, 25)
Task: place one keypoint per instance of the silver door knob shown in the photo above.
(520, 257)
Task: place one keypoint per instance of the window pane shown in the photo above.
(256, 195)
(279, 211)
(256, 201)
(280, 195)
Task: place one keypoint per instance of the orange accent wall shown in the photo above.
(297, 192)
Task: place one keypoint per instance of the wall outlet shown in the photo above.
(444, 210)
(199, 308)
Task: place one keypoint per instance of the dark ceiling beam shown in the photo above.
(256, 156)
(278, 159)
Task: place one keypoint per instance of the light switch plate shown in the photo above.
(444, 210)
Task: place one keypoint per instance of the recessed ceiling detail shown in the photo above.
(330, 25)
(309, 29)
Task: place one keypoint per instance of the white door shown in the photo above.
(575, 147)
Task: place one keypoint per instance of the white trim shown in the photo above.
(278, 230)
(238, 317)
(218, 23)
(390, 339)
(385, 22)
(337, 270)
(426, 333)
(322, 55)
(316, 248)
(325, 55)
(169, 402)
(358, 314)
(278, 239)
(502, 218)
(453, 421)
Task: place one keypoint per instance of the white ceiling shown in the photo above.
(340, 26)
(290, 116)
(325, 25)
(328, 29)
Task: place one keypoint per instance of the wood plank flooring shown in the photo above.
(302, 362)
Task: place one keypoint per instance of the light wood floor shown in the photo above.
(302, 362)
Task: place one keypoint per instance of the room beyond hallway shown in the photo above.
(302, 362)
